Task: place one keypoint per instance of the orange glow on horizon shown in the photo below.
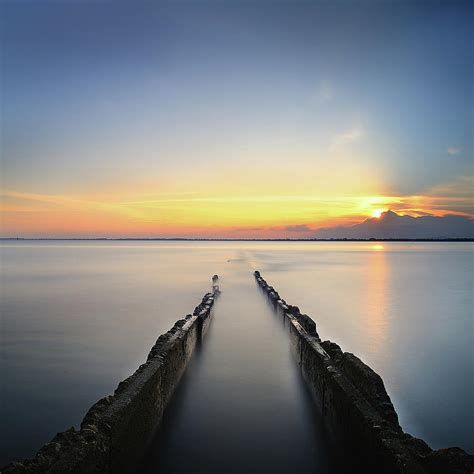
(196, 214)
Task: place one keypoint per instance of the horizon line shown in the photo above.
(229, 239)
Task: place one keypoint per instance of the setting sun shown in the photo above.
(377, 213)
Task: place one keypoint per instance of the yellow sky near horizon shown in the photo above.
(203, 214)
(237, 120)
(229, 200)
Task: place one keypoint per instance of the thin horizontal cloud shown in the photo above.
(298, 228)
(249, 229)
(461, 187)
(271, 215)
(352, 135)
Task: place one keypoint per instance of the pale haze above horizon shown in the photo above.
(235, 119)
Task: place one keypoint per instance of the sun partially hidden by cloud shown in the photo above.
(377, 213)
(208, 214)
(225, 125)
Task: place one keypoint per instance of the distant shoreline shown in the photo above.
(185, 239)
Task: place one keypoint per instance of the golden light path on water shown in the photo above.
(377, 295)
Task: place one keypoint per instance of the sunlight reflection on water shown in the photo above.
(77, 317)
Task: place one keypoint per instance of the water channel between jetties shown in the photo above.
(242, 405)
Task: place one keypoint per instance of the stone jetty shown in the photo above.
(116, 430)
(355, 406)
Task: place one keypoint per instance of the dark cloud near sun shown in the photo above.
(394, 226)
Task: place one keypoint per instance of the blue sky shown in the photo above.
(102, 99)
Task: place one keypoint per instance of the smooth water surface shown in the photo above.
(243, 405)
(77, 317)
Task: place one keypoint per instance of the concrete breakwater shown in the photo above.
(117, 429)
(355, 405)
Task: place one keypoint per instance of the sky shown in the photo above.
(231, 118)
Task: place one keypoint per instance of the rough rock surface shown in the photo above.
(356, 407)
(116, 430)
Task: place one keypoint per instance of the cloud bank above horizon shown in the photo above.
(390, 225)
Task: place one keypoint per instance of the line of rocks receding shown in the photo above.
(117, 429)
(355, 406)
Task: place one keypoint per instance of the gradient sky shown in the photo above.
(243, 119)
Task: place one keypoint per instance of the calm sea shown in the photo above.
(77, 317)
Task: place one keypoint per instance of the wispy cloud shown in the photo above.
(460, 187)
(323, 93)
(198, 214)
(452, 150)
(352, 135)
